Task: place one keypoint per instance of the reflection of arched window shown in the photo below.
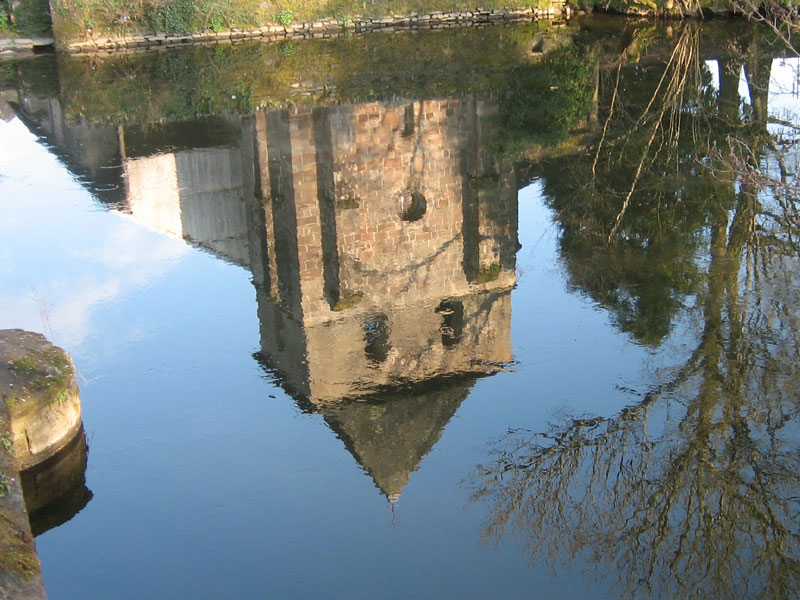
(452, 312)
(412, 206)
(376, 336)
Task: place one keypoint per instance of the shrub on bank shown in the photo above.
(26, 18)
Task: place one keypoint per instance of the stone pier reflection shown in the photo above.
(55, 490)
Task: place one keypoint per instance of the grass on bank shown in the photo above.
(86, 18)
(30, 18)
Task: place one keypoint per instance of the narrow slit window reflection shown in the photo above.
(452, 328)
(376, 336)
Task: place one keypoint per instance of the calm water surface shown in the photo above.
(504, 312)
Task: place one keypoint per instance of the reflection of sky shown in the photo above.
(190, 444)
(192, 447)
(784, 94)
(712, 66)
(784, 91)
(74, 260)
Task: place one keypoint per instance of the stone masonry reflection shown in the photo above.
(390, 246)
(381, 238)
(388, 262)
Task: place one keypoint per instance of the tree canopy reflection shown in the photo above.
(683, 209)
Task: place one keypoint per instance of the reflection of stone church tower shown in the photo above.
(381, 239)
(384, 277)
(390, 246)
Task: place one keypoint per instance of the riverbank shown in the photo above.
(20, 570)
(110, 26)
(326, 28)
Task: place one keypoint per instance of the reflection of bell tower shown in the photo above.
(382, 242)
(383, 253)
(389, 236)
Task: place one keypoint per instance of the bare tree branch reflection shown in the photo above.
(693, 490)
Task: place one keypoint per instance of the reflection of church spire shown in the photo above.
(391, 434)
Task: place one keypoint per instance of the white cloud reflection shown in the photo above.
(62, 257)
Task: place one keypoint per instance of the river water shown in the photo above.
(494, 312)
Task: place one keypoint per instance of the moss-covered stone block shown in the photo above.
(38, 389)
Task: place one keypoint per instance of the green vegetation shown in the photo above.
(284, 17)
(91, 18)
(79, 19)
(50, 368)
(5, 485)
(47, 372)
(29, 18)
(23, 562)
(5, 20)
(348, 300)
(209, 80)
(487, 274)
(634, 206)
(6, 442)
(551, 97)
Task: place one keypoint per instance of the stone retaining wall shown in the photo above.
(13, 47)
(20, 570)
(325, 28)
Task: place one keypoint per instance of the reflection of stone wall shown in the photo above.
(90, 151)
(411, 347)
(153, 196)
(360, 223)
(181, 178)
(339, 258)
(194, 194)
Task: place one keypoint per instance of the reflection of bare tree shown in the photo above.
(693, 491)
(661, 117)
(779, 15)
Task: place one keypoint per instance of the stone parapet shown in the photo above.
(37, 384)
(20, 570)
